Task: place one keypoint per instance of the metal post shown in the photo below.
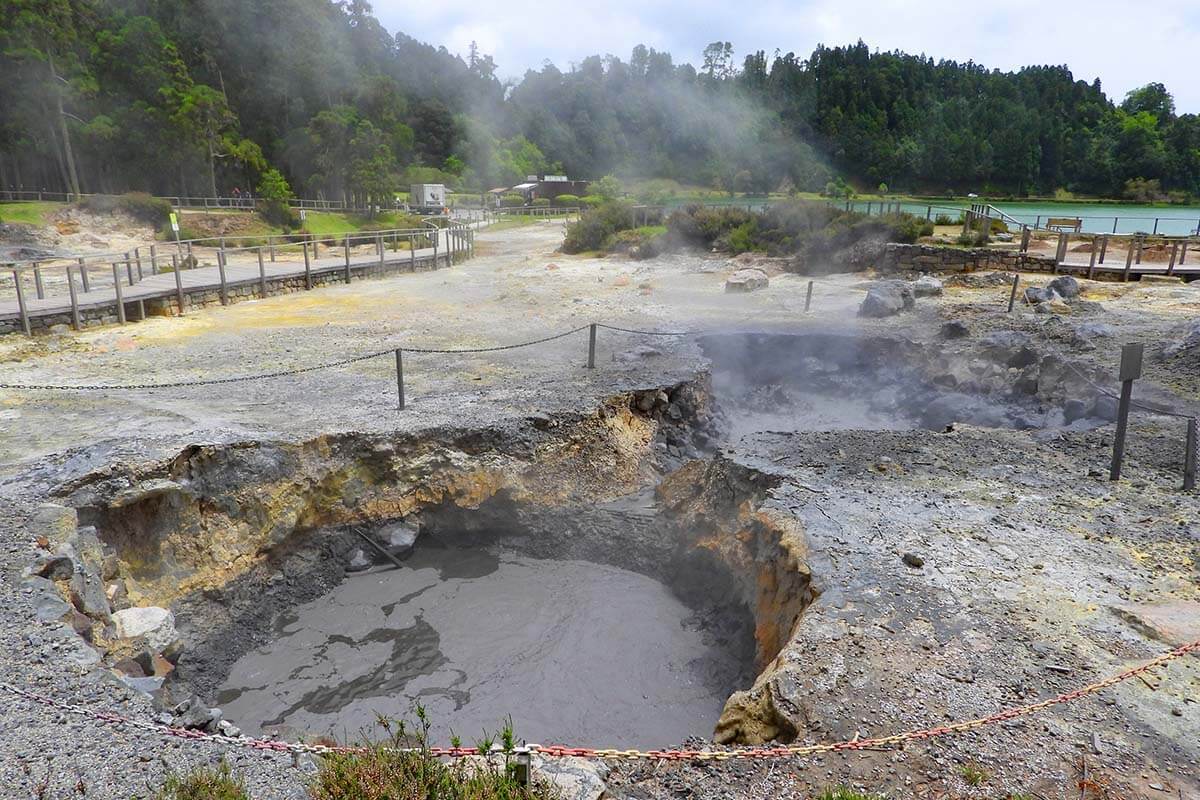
(262, 273)
(808, 297)
(1115, 225)
(21, 303)
(1189, 457)
(307, 266)
(591, 346)
(1155, 231)
(400, 376)
(346, 249)
(1131, 369)
(1012, 296)
(74, 300)
(83, 276)
(1038, 222)
(178, 282)
(120, 297)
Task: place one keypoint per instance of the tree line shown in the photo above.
(315, 97)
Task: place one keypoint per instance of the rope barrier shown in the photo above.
(556, 751)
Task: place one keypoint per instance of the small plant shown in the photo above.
(974, 774)
(943, 219)
(204, 783)
(380, 771)
(846, 793)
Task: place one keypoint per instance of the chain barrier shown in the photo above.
(557, 751)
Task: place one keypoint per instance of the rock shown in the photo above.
(1054, 306)
(886, 299)
(54, 523)
(926, 286)
(195, 715)
(358, 561)
(747, 280)
(1093, 330)
(913, 560)
(146, 685)
(645, 401)
(1002, 237)
(48, 604)
(87, 594)
(1105, 408)
(573, 778)
(147, 490)
(81, 624)
(52, 567)
(1073, 410)
(398, 538)
(130, 668)
(156, 624)
(227, 728)
(954, 330)
(1065, 286)
(1184, 338)
(1036, 294)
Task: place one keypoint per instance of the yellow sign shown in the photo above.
(174, 222)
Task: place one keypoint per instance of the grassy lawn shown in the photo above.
(511, 221)
(323, 223)
(33, 213)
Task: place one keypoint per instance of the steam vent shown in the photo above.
(378, 425)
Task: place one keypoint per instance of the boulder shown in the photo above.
(1074, 409)
(1036, 294)
(87, 594)
(48, 603)
(926, 286)
(1184, 338)
(54, 523)
(1065, 286)
(573, 778)
(52, 567)
(886, 299)
(747, 280)
(358, 561)
(156, 624)
(398, 538)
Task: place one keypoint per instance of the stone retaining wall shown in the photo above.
(934, 258)
(211, 295)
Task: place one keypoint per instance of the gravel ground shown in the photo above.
(1029, 559)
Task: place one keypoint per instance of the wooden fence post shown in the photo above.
(262, 273)
(1128, 261)
(1174, 253)
(153, 260)
(74, 299)
(83, 276)
(21, 303)
(400, 376)
(37, 281)
(412, 251)
(120, 297)
(346, 249)
(307, 266)
(591, 362)
(221, 275)
(1131, 369)
(1103, 247)
(808, 297)
(1012, 296)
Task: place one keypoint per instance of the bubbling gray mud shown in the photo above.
(573, 651)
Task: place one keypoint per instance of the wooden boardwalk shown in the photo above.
(115, 296)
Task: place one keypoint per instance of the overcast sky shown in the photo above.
(1124, 43)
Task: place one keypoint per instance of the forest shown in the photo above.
(315, 98)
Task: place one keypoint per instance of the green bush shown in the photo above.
(907, 228)
(541, 202)
(744, 238)
(379, 772)
(203, 783)
(512, 200)
(943, 219)
(566, 200)
(592, 200)
(972, 239)
(595, 228)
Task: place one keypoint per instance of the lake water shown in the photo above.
(1097, 218)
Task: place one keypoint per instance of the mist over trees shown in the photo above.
(316, 98)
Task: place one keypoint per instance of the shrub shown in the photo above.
(907, 228)
(541, 202)
(591, 200)
(203, 784)
(743, 238)
(972, 239)
(512, 200)
(943, 219)
(379, 772)
(565, 200)
(594, 230)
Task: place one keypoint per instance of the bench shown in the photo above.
(1067, 224)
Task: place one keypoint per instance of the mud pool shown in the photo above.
(573, 651)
